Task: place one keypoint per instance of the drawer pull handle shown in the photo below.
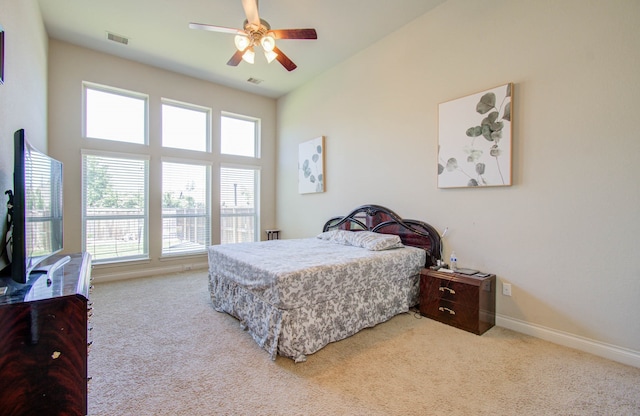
(451, 311)
(442, 289)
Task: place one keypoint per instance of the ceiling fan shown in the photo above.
(257, 32)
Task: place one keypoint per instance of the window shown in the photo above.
(115, 208)
(186, 216)
(185, 126)
(171, 168)
(239, 135)
(238, 204)
(112, 114)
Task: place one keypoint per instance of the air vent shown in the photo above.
(117, 38)
(254, 80)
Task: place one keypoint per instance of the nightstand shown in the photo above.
(272, 234)
(466, 302)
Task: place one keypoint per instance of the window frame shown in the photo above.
(145, 216)
(187, 106)
(208, 190)
(116, 91)
(257, 139)
(256, 196)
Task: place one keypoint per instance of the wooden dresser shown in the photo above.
(44, 341)
(466, 302)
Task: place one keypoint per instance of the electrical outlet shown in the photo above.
(506, 289)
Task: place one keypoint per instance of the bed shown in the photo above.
(295, 296)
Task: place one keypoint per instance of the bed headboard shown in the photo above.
(382, 220)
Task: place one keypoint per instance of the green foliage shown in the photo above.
(98, 186)
(169, 200)
(486, 103)
(101, 193)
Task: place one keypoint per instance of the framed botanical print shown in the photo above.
(474, 139)
(311, 166)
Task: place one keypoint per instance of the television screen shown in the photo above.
(37, 208)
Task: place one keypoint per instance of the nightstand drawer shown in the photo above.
(450, 290)
(452, 313)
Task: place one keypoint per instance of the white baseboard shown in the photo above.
(601, 349)
(146, 272)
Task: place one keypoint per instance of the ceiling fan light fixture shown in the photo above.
(242, 42)
(268, 42)
(249, 56)
(257, 32)
(270, 55)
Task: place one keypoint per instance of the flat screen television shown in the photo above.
(37, 208)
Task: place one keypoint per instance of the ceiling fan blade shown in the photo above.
(251, 10)
(284, 60)
(213, 28)
(236, 58)
(294, 33)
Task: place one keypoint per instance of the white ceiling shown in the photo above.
(159, 35)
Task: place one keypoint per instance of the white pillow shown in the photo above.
(336, 236)
(365, 239)
(375, 241)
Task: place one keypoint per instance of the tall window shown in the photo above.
(174, 166)
(113, 114)
(185, 126)
(186, 217)
(239, 220)
(239, 135)
(115, 209)
(114, 186)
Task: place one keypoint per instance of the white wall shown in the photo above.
(70, 65)
(565, 235)
(23, 96)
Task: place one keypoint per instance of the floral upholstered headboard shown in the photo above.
(382, 220)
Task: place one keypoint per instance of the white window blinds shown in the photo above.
(238, 204)
(115, 206)
(186, 213)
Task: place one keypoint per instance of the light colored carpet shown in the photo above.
(160, 349)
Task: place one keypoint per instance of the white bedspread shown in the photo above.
(296, 272)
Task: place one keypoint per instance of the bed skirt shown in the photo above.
(296, 333)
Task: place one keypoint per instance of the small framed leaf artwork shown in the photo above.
(474, 139)
(311, 166)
